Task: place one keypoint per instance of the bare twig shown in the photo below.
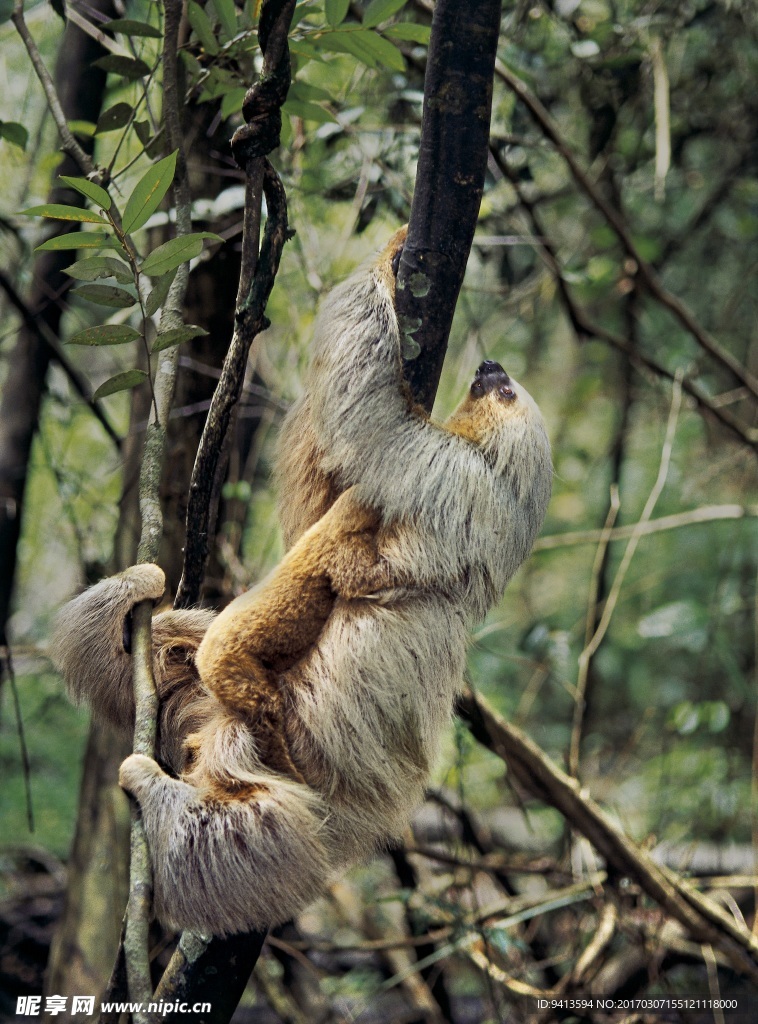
(615, 220)
(46, 335)
(69, 143)
(705, 514)
(586, 328)
(702, 918)
(251, 142)
(584, 662)
(7, 671)
(613, 596)
(250, 321)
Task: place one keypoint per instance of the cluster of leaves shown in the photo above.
(223, 40)
(142, 282)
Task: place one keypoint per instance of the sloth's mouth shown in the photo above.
(492, 377)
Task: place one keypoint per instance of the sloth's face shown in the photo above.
(494, 400)
(491, 379)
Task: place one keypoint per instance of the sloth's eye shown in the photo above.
(505, 392)
(477, 388)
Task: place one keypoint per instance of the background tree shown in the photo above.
(611, 269)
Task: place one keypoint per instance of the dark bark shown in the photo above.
(205, 486)
(449, 183)
(218, 976)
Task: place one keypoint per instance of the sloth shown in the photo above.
(298, 727)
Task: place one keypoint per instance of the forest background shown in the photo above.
(614, 273)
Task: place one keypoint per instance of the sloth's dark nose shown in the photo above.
(492, 377)
(489, 368)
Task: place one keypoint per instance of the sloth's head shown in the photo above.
(494, 402)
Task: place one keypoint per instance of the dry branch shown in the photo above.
(704, 514)
(704, 920)
(645, 271)
(586, 328)
(68, 142)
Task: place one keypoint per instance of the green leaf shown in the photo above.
(84, 129)
(114, 117)
(106, 295)
(342, 42)
(90, 190)
(74, 240)
(308, 51)
(121, 382)
(368, 47)
(232, 102)
(227, 15)
(379, 10)
(148, 193)
(158, 295)
(336, 11)
(175, 252)
(144, 131)
(59, 211)
(410, 32)
(12, 131)
(306, 91)
(381, 49)
(6, 10)
(202, 27)
(308, 111)
(176, 336)
(105, 334)
(92, 268)
(127, 67)
(129, 27)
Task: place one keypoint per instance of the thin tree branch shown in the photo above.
(592, 612)
(146, 700)
(69, 143)
(250, 321)
(46, 335)
(533, 769)
(586, 328)
(704, 514)
(594, 640)
(645, 271)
